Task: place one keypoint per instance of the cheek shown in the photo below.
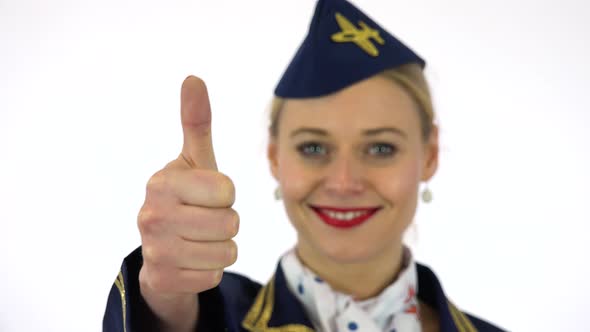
(295, 179)
(402, 182)
(297, 182)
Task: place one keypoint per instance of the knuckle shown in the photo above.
(148, 220)
(147, 253)
(152, 254)
(158, 280)
(158, 183)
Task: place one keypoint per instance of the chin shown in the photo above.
(348, 257)
(347, 253)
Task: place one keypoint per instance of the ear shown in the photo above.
(431, 149)
(271, 153)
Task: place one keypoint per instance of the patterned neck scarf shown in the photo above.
(394, 310)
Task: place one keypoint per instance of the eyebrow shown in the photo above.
(303, 130)
(377, 131)
(367, 132)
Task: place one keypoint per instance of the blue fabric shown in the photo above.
(322, 65)
(224, 307)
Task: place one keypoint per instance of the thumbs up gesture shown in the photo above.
(187, 223)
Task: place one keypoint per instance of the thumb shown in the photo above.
(195, 114)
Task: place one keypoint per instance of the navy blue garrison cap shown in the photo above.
(343, 46)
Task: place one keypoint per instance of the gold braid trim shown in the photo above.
(120, 283)
(258, 316)
(461, 321)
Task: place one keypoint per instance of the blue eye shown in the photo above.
(311, 149)
(382, 149)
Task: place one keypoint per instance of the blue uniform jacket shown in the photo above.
(239, 304)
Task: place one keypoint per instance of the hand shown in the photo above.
(187, 223)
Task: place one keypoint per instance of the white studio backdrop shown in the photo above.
(89, 110)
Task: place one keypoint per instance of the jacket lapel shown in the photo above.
(276, 309)
(430, 291)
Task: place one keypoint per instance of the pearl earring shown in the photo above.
(426, 195)
(278, 193)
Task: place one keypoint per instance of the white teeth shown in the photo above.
(344, 215)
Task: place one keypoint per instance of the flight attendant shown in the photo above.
(352, 136)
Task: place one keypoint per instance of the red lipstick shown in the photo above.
(344, 217)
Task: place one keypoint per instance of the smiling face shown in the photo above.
(360, 148)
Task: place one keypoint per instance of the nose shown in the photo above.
(344, 177)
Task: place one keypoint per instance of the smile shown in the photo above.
(342, 217)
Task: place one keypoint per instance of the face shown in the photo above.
(359, 151)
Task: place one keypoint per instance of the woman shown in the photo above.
(352, 135)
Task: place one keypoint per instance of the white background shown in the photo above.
(89, 110)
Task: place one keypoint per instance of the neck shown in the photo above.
(361, 279)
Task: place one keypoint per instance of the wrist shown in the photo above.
(178, 313)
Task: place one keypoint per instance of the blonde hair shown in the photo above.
(410, 77)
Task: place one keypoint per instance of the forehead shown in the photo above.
(374, 102)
